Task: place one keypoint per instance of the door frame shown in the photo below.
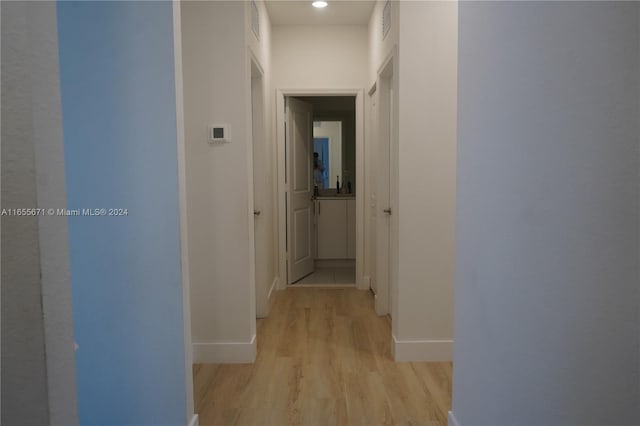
(361, 282)
(386, 123)
(256, 72)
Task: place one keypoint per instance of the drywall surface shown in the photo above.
(24, 376)
(548, 203)
(426, 173)
(324, 58)
(218, 180)
(38, 360)
(119, 123)
(319, 57)
(381, 45)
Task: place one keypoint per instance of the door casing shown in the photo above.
(361, 282)
(386, 226)
(260, 217)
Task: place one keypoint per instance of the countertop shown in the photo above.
(336, 197)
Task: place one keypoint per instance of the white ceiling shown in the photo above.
(338, 12)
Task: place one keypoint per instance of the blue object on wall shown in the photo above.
(119, 123)
(321, 146)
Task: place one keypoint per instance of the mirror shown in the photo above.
(334, 140)
(327, 154)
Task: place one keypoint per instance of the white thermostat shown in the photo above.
(219, 133)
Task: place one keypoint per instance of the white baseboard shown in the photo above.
(364, 283)
(274, 285)
(380, 306)
(452, 420)
(435, 350)
(195, 421)
(225, 352)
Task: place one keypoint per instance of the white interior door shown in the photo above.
(384, 197)
(300, 235)
(372, 167)
(261, 224)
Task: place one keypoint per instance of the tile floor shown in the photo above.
(330, 276)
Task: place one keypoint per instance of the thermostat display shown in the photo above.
(218, 133)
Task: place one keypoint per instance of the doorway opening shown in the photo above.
(320, 188)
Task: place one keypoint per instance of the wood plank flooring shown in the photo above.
(323, 358)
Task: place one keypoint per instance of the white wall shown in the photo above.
(423, 42)
(424, 215)
(380, 47)
(38, 369)
(219, 180)
(320, 57)
(126, 272)
(547, 276)
(333, 131)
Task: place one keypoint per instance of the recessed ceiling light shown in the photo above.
(319, 4)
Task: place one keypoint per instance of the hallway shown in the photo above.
(323, 359)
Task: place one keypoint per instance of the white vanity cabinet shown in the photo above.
(335, 218)
(351, 229)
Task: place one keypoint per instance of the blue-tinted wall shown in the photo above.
(118, 101)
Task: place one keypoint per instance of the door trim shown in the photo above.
(361, 283)
(256, 72)
(386, 298)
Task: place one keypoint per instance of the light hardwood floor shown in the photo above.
(323, 359)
